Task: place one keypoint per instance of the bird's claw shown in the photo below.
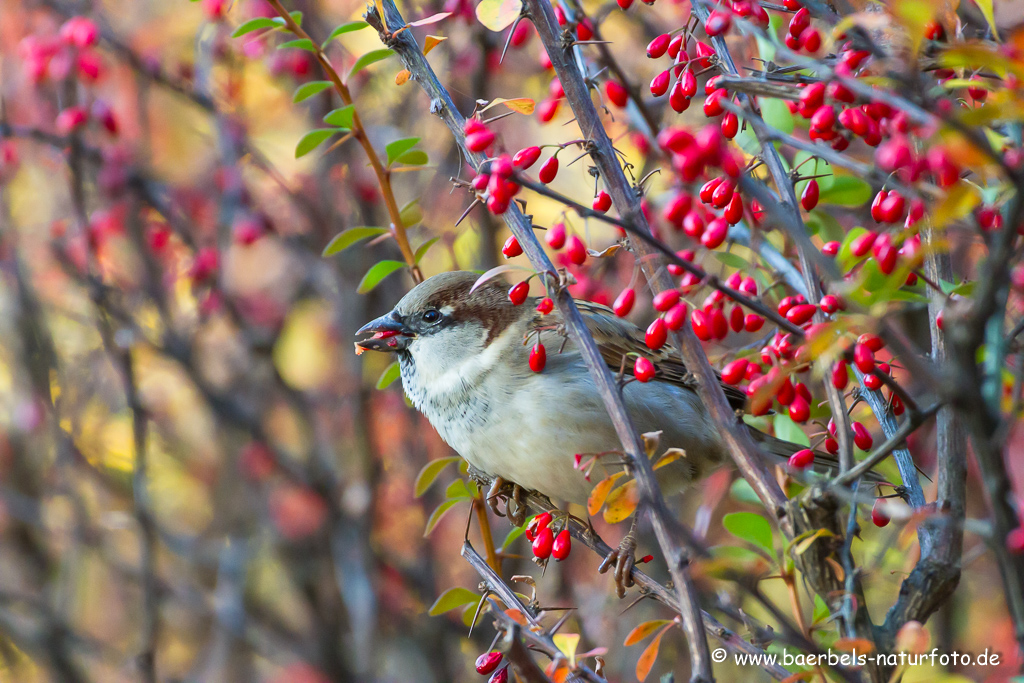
(514, 508)
(623, 559)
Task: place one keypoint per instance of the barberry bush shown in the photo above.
(816, 203)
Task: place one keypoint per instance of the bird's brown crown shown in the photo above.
(487, 305)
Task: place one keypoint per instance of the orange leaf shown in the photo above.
(643, 630)
(598, 495)
(861, 645)
(430, 42)
(650, 654)
(402, 77)
(517, 616)
(523, 105)
(621, 503)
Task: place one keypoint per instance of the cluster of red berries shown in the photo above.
(800, 35)
(70, 51)
(545, 542)
(488, 662)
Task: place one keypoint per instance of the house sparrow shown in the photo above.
(464, 353)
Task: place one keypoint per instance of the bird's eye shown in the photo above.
(431, 316)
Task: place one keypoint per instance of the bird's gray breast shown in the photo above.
(455, 410)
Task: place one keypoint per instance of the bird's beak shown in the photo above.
(389, 334)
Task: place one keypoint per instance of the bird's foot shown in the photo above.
(514, 508)
(623, 559)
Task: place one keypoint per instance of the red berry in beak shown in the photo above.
(545, 306)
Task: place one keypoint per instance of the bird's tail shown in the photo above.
(823, 462)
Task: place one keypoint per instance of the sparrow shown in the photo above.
(463, 350)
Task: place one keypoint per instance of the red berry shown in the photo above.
(584, 30)
(525, 158)
(488, 662)
(863, 358)
(657, 334)
(809, 197)
(940, 319)
(643, 369)
(616, 93)
(802, 459)
(736, 319)
(715, 233)
(872, 382)
(799, 21)
(657, 47)
(753, 322)
(517, 294)
(71, 119)
(862, 244)
(555, 236)
(538, 358)
(734, 372)
(878, 516)
(871, 341)
(602, 202)
(562, 545)
(701, 325)
(499, 676)
(840, 376)
(830, 303)
(545, 306)
(718, 22)
(659, 84)
(511, 247)
(862, 437)
(479, 140)
(689, 83)
(624, 302)
(577, 251)
(677, 99)
(666, 300)
(713, 104)
(542, 542)
(799, 410)
(830, 249)
(810, 40)
(547, 109)
(801, 313)
(676, 316)
(1015, 541)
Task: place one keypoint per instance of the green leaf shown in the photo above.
(369, 58)
(345, 28)
(846, 190)
(742, 491)
(378, 272)
(816, 167)
(411, 214)
(457, 491)
(312, 140)
(453, 598)
(776, 114)
(750, 527)
(254, 25)
(437, 514)
(342, 118)
(429, 474)
(825, 225)
(821, 611)
(845, 257)
(307, 90)
(732, 260)
(390, 374)
(987, 10)
(516, 532)
(346, 239)
(423, 249)
(414, 157)
(787, 430)
(298, 44)
(399, 147)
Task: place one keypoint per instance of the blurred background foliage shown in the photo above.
(195, 468)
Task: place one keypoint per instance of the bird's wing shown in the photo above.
(617, 338)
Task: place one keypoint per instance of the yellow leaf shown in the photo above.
(958, 202)
(643, 630)
(523, 105)
(497, 15)
(430, 42)
(567, 644)
(598, 495)
(669, 457)
(986, 9)
(802, 547)
(402, 77)
(621, 503)
(650, 654)
(914, 15)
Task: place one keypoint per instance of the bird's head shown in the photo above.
(444, 318)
